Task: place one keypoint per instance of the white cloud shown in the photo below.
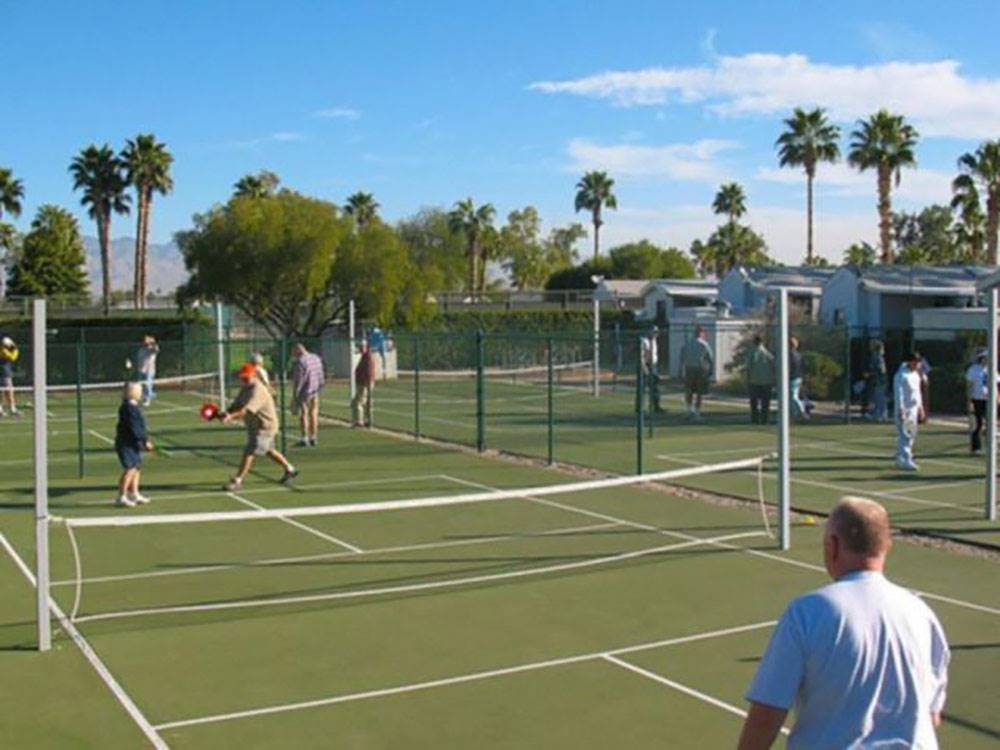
(936, 96)
(678, 161)
(917, 185)
(286, 136)
(337, 113)
(282, 136)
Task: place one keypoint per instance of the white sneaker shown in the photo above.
(139, 499)
(125, 502)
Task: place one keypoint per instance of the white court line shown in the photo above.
(689, 691)
(298, 525)
(91, 656)
(755, 552)
(407, 588)
(102, 437)
(569, 530)
(938, 486)
(459, 679)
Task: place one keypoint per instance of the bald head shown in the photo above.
(862, 526)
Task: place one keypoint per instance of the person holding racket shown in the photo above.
(909, 408)
(131, 440)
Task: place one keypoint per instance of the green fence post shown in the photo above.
(416, 385)
(79, 407)
(480, 393)
(848, 385)
(551, 405)
(282, 377)
(639, 408)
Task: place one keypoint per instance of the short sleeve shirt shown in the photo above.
(261, 416)
(863, 661)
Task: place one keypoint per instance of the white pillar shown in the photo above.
(220, 354)
(991, 412)
(41, 475)
(784, 448)
(597, 345)
(350, 346)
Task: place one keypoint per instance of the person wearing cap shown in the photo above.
(977, 381)
(908, 407)
(144, 361)
(255, 405)
(8, 356)
(131, 439)
(864, 661)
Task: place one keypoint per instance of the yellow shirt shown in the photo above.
(9, 354)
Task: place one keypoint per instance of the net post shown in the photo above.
(351, 344)
(282, 380)
(550, 406)
(416, 385)
(220, 353)
(640, 398)
(480, 393)
(991, 412)
(597, 345)
(784, 451)
(80, 360)
(41, 475)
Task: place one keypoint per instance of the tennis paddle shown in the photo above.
(209, 411)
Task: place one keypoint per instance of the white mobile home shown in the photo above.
(663, 298)
(747, 290)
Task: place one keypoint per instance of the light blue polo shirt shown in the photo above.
(864, 662)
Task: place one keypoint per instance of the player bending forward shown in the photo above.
(255, 405)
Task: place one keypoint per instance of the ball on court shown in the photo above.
(811, 520)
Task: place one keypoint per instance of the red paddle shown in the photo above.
(208, 412)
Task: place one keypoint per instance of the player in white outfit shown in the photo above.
(909, 408)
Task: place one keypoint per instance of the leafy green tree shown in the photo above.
(927, 237)
(51, 259)
(147, 169)
(860, 254)
(730, 201)
(730, 245)
(437, 249)
(809, 139)
(362, 207)
(980, 172)
(11, 193)
(595, 192)
(528, 258)
(644, 260)
(970, 229)
(272, 257)
(580, 277)
(100, 174)
(886, 143)
(262, 184)
(474, 223)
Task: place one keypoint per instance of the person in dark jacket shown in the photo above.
(760, 380)
(131, 440)
(364, 383)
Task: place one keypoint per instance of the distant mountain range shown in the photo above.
(166, 267)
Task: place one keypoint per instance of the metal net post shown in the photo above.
(640, 398)
(80, 363)
(991, 412)
(784, 449)
(550, 406)
(41, 475)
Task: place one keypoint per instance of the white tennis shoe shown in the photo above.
(139, 499)
(125, 502)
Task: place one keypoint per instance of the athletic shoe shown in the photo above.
(233, 484)
(139, 499)
(303, 442)
(124, 502)
(146, 402)
(312, 442)
(907, 466)
(289, 475)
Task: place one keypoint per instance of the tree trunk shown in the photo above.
(473, 257)
(597, 232)
(104, 238)
(885, 213)
(147, 209)
(137, 269)
(992, 222)
(809, 218)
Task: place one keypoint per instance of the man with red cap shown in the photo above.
(255, 404)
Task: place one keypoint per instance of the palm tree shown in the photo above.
(263, 184)
(593, 193)
(470, 221)
(363, 207)
(730, 201)
(970, 230)
(147, 169)
(981, 171)
(809, 139)
(100, 174)
(886, 143)
(11, 193)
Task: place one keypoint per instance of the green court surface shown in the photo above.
(626, 617)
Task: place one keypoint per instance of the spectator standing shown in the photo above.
(308, 380)
(925, 387)
(697, 364)
(144, 362)
(864, 661)
(977, 380)
(877, 376)
(908, 408)
(257, 360)
(9, 355)
(760, 381)
(364, 381)
(651, 366)
(796, 373)
(131, 439)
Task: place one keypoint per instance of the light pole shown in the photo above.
(597, 336)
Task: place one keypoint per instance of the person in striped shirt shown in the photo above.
(307, 382)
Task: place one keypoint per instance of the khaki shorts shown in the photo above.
(259, 443)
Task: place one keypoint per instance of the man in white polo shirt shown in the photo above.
(865, 662)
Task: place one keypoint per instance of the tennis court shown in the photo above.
(598, 617)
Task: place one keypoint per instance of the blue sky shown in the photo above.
(426, 103)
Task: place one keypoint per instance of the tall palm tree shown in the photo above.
(730, 201)
(260, 185)
(594, 193)
(147, 169)
(981, 171)
(363, 207)
(886, 143)
(809, 140)
(100, 174)
(472, 222)
(11, 193)
(970, 230)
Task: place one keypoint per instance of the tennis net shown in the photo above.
(238, 561)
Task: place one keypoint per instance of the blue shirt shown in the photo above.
(864, 662)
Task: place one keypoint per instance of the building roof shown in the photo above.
(707, 287)
(922, 280)
(801, 279)
(612, 288)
